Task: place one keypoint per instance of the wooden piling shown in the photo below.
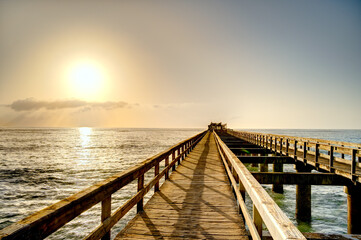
(277, 187)
(353, 209)
(303, 197)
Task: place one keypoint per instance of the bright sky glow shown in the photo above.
(86, 80)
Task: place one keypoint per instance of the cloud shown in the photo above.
(31, 104)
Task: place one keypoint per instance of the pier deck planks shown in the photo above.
(195, 203)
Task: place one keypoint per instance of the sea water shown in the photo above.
(40, 166)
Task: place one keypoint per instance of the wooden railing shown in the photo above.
(311, 151)
(265, 210)
(43, 223)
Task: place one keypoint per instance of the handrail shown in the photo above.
(304, 139)
(44, 222)
(265, 210)
(310, 150)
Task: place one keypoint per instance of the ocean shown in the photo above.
(40, 166)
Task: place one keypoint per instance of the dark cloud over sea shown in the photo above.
(31, 104)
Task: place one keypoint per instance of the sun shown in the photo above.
(86, 79)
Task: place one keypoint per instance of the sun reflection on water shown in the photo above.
(85, 141)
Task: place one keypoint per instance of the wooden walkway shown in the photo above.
(196, 202)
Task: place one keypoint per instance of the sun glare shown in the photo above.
(86, 79)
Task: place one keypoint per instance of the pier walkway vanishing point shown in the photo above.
(203, 195)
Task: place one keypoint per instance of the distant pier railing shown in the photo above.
(43, 223)
(265, 210)
(320, 153)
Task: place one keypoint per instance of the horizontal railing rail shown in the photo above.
(311, 151)
(265, 210)
(43, 223)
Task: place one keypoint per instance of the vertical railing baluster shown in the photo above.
(173, 157)
(257, 220)
(140, 187)
(304, 152)
(266, 142)
(295, 151)
(317, 152)
(353, 164)
(156, 172)
(276, 145)
(166, 163)
(281, 146)
(331, 159)
(106, 213)
(179, 154)
(287, 146)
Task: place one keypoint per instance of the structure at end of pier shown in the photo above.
(217, 126)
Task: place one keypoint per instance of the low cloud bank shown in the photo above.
(31, 104)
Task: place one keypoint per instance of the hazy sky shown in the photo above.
(251, 64)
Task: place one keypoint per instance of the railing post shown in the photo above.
(287, 146)
(295, 151)
(156, 172)
(353, 164)
(166, 163)
(106, 212)
(185, 150)
(266, 142)
(317, 153)
(281, 146)
(242, 189)
(332, 170)
(305, 152)
(140, 187)
(235, 176)
(179, 155)
(275, 145)
(257, 220)
(173, 157)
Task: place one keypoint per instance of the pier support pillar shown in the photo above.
(303, 197)
(254, 164)
(278, 188)
(263, 167)
(353, 209)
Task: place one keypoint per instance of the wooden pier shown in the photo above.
(195, 203)
(206, 183)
